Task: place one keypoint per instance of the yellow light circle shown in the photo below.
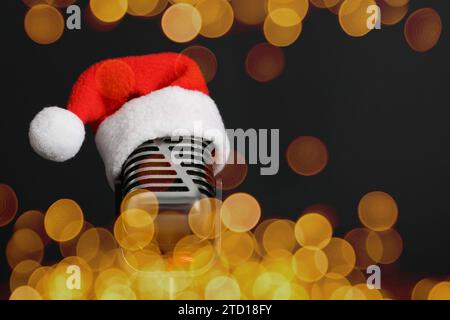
(246, 274)
(370, 294)
(348, 293)
(134, 229)
(63, 220)
(324, 288)
(97, 247)
(397, 3)
(298, 6)
(392, 15)
(322, 4)
(109, 11)
(279, 261)
(392, 246)
(310, 264)
(307, 155)
(423, 29)
(236, 247)
(279, 235)
(109, 278)
(240, 212)
(24, 244)
(21, 273)
(181, 22)
(44, 24)
(264, 62)
(341, 258)
(222, 288)
(377, 211)
(440, 291)
(282, 27)
(8, 204)
(141, 199)
(422, 289)
(33, 220)
(141, 7)
(272, 286)
(204, 218)
(25, 293)
(69, 248)
(367, 252)
(353, 17)
(249, 12)
(217, 17)
(313, 230)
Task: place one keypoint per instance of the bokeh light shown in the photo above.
(391, 15)
(240, 212)
(300, 7)
(25, 293)
(234, 172)
(249, 12)
(282, 27)
(236, 247)
(142, 7)
(33, 220)
(366, 253)
(377, 211)
(109, 11)
(204, 218)
(44, 24)
(322, 4)
(222, 288)
(353, 17)
(264, 62)
(8, 204)
(313, 230)
(423, 29)
(24, 244)
(397, 3)
(440, 291)
(422, 289)
(205, 59)
(279, 235)
(341, 258)
(21, 273)
(134, 229)
(310, 265)
(181, 22)
(217, 17)
(97, 247)
(63, 220)
(307, 155)
(391, 246)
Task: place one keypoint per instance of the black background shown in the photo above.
(382, 109)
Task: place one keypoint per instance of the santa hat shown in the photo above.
(128, 101)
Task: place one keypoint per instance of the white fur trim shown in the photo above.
(56, 134)
(167, 112)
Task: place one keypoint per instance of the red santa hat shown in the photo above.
(128, 101)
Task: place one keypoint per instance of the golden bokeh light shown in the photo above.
(24, 244)
(181, 22)
(39, 280)
(236, 247)
(423, 29)
(63, 220)
(25, 293)
(222, 288)
(282, 27)
(440, 291)
(280, 261)
(134, 229)
(54, 3)
(264, 62)
(348, 293)
(246, 274)
(234, 172)
(341, 258)
(377, 211)
(324, 209)
(307, 156)
(97, 247)
(141, 199)
(391, 246)
(33, 220)
(240, 212)
(21, 273)
(310, 265)
(353, 17)
(367, 253)
(322, 4)
(250, 12)
(271, 286)
(313, 230)
(141, 7)
(397, 3)
(205, 59)
(8, 204)
(279, 235)
(422, 289)
(44, 24)
(369, 293)
(391, 15)
(324, 288)
(300, 7)
(69, 248)
(109, 11)
(217, 17)
(112, 283)
(204, 218)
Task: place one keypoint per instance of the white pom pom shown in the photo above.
(56, 134)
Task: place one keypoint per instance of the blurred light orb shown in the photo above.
(391, 246)
(217, 17)
(249, 12)
(397, 3)
(205, 59)
(134, 229)
(236, 247)
(264, 62)
(367, 252)
(279, 235)
(298, 6)
(69, 248)
(307, 155)
(141, 199)
(44, 24)
(222, 288)
(271, 286)
(24, 244)
(423, 29)
(63, 220)
(310, 265)
(282, 27)
(440, 291)
(33, 220)
(313, 230)
(422, 289)
(25, 293)
(204, 218)
(181, 22)
(348, 293)
(341, 258)
(54, 3)
(141, 7)
(21, 273)
(324, 288)
(378, 211)
(240, 212)
(234, 172)
(109, 11)
(8, 204)
(391, 15)
(353, 17)
(97, 247)
(322, 4)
